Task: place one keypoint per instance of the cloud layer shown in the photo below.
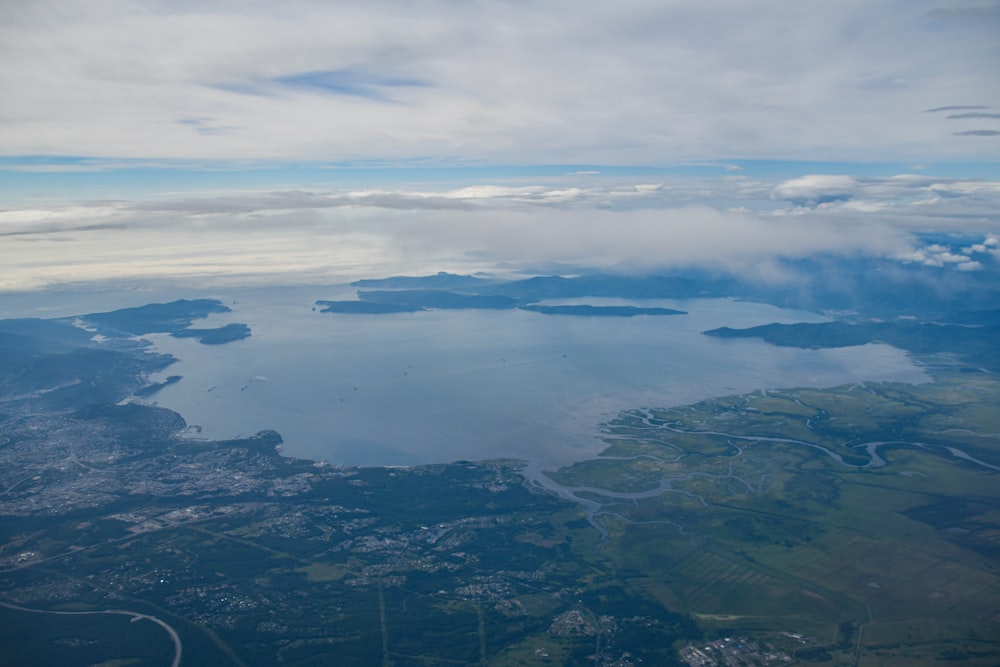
(323, 236)
(640, 81)
(129, 101)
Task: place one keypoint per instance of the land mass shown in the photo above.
(974, 343)
(431, 298)
(601, 311)
(440, 280)
(365, 307)
(218, 336)
(848, 525)
(867, 287)
(155, 317)
(154, 387)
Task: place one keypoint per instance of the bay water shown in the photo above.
(447, 385)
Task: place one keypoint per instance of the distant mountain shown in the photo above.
(976, 345)
(408, 301)
(610, 285)
(973, 317)
(156, 317)
(873, 287)
(876, 287)
(551, 287)
(218, 336)
(55, 364)
(365, 307)
(173, 318)
(601, 311)
(441, 280)
(24, 339)
(442, 299)
(79, 377)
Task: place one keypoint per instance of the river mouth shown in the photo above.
(442, 386)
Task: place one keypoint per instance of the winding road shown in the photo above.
(174, 637)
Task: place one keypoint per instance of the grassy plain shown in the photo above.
(866, 517)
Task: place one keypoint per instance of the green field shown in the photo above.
(770, 516)
(761, 531)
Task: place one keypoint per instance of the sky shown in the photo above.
(307, 141)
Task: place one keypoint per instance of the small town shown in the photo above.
(144, 516)
(732, 652)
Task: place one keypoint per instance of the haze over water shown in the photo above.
(440, 386)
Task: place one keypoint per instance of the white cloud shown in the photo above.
(323, 235)
(940, 255)
(970, 266)
(913, 202)
(816, 189)
(304, 236)
(639, 81)
(990, 246)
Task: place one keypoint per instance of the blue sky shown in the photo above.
(265, 126)
(48, 180)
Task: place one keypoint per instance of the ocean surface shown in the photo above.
(441, 386)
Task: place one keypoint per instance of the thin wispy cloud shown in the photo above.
(957, 108)
(349, 82)
(206, 126)
(972, 114)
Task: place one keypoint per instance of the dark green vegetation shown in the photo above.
(411, 301)
(60, 365)
(866, 286)
(256, 559)
(973, 335)
(850, 526)
(156, 317)
(440, 280)
(380, 302)
(887, 300)
(775, 512)
(864, 517)
(365, 307)
(217, 336)
(80, 638)
(31, 338)
(174, 318)
(405, 294)
(430, 298)
(558, 287)
(154, 387)
(601, 311)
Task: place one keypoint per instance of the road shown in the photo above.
(174, 637)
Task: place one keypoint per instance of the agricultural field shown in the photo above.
(865, 517)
